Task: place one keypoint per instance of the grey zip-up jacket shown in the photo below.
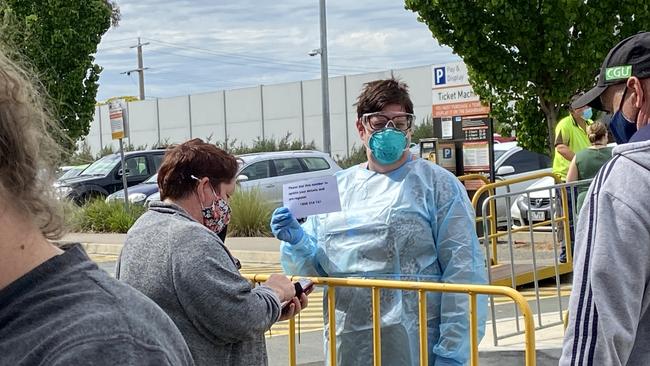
(191, 275)
(609, 319)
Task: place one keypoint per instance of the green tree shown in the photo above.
(58, 39)
(527, 58)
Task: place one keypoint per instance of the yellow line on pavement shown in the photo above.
(101, 258)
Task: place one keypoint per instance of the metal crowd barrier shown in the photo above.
(469, 177)
(522, 274)
(493, 217)
(422, 288)
(485, 181)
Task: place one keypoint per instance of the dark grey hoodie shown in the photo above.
(189, 273)
(609, 317)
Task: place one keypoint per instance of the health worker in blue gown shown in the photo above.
(401, 218)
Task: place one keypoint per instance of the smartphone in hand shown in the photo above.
(302, 286)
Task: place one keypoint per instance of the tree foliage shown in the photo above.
(527, 58)
(58, 38)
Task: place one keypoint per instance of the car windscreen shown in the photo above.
(102, 166)
(498, 154)
(152, 180)
(71, 173)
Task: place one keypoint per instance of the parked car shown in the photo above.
(67, 172)
(104, 176)
(138, 194)
(539, 204)
(269, 171)
(512, 161)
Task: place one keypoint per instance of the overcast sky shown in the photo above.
(205, 45)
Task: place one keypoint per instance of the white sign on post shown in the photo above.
(116, 112)
(454, 95)
(312, 197)
(447, 128)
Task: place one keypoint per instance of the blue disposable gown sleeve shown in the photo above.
(301, 258)
(461, 261)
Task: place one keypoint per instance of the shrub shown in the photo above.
(356, 157)
(83, 155)
(101, 217)
(263, 145)
(423, 130)
(106, 150)
(251, 214)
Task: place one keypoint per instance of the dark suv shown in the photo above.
(104, 176)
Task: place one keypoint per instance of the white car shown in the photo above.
(512, 161)
(539, 205)
(269, 171)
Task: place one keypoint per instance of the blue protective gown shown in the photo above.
(415, 223)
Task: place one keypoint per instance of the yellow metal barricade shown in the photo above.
(421, 287)
(530, 270)
(492, 217)
(468, 177)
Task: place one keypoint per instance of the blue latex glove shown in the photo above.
(285, 227)
(443, 361)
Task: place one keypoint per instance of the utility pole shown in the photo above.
(324, 77)
(140, 69)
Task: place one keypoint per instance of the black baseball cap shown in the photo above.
(630, 57)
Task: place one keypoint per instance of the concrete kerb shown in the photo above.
(102, 248)
(253, 250)
(243, 255)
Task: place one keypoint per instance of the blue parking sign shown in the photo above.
(440, 77)
(446, 153)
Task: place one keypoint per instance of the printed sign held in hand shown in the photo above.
(312, 197)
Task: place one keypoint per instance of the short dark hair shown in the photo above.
(573, 99)
(376, 95)
(194, 158)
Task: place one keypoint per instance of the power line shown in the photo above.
(118, 40)
(112, 48)
(264, 62)
(260, 64)
(235, 63)
(184, 79)
(258, 59)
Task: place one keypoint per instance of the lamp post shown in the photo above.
(325, 104)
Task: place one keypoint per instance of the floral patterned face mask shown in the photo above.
(216, 216)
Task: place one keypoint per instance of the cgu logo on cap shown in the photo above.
(618, 72)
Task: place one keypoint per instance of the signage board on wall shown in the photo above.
(455, 94)
(450, 74)
(447, 128)
(474, 108)
(476, 148)
(476, 156)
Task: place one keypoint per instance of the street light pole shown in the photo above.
(324, 80)
(140, 69)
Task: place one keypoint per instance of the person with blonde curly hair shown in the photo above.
(587, 163)
(56, 306)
